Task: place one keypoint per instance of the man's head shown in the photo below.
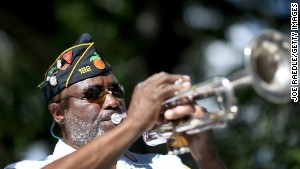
(82, 93)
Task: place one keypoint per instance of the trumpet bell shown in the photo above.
(268, 70)
(267, 61)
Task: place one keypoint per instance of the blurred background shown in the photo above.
(200, 38)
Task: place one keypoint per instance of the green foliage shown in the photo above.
(139, 38)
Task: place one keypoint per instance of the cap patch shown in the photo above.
(97, 61)
(77, 63)
(68, 56)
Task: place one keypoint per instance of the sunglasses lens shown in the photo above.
(117, 90)
(94, 92)
(97, 92)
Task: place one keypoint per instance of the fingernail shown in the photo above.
(168, 114)
(178, 82)
(186, 84)
(186, 77)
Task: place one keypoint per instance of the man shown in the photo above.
(83, 94)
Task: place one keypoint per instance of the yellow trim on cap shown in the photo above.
(87, 49)
(84, 44)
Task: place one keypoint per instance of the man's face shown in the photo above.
(84, 118)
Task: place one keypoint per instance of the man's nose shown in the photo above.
(110, 101)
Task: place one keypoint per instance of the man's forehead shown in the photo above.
(103, 80)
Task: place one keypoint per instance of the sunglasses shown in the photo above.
(98, 92)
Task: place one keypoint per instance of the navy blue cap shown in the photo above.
(77, 63)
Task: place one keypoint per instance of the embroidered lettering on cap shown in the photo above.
(85, 69)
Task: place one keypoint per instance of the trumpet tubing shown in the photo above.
(268, 71)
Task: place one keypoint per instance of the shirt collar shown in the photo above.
(62, 149)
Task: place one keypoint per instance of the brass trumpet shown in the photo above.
(268, 70)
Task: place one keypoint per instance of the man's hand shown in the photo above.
(201, 144)
(145, 105)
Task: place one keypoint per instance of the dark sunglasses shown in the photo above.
(98, 92)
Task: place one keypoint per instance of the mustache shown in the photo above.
(106, 116)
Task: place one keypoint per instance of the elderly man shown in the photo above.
(82, 95)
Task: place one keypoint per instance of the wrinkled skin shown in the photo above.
(84, 120)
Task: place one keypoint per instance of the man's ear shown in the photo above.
(57, 112)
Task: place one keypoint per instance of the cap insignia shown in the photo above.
(68, 56)
(58, 64)
(53, 80)
(97, 61)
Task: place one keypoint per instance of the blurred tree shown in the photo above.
(199, 38)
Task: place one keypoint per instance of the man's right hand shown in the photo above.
(145, 105)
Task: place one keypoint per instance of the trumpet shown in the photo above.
(267, 70)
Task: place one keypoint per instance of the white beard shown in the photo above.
(82, 132)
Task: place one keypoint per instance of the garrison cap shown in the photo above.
(77, 63)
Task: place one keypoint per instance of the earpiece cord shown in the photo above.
(52, 133)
